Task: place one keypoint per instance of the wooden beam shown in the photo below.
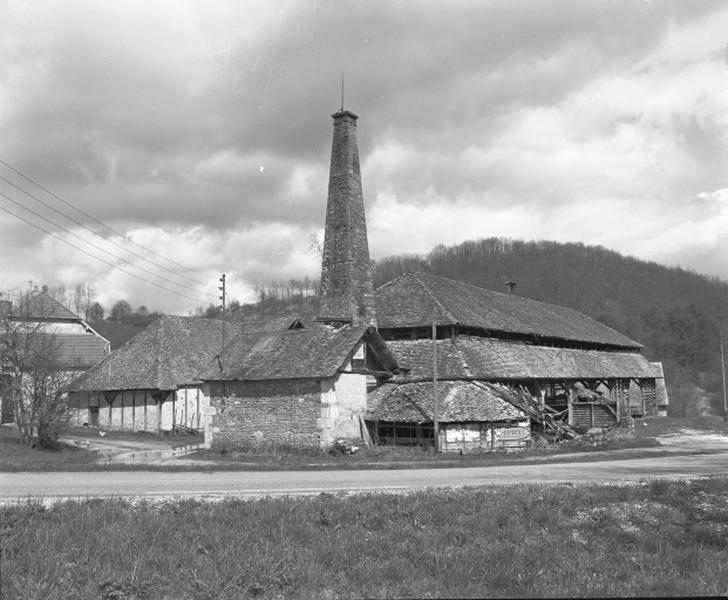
(364, 371)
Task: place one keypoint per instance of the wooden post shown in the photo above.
(570, 405)
(722, 364)
(435, 422)
(159, 415)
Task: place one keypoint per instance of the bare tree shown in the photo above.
(82, 298)
(34, 379)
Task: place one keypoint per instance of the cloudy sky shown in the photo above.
(201, 132)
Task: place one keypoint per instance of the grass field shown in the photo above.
(659, 539)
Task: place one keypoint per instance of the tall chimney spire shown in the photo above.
(346, 279)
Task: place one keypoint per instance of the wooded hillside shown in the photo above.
(672, 312)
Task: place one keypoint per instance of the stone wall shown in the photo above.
(265, 413)
(293, 412)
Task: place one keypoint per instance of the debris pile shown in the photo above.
(548, 419)
(342, 446)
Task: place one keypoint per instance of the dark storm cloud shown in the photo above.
(174, 116)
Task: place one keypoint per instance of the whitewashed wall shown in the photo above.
(138, 410)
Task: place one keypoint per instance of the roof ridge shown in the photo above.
(428, 291)
(391, 281)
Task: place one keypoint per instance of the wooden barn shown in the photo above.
(589, 373)
(150, 383)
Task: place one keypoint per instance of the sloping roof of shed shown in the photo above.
(167, 354)
(41, 306)
(72, 352)
(411, 299)
(458, 401)
(313, 351)
(494, 359)
(81, 351)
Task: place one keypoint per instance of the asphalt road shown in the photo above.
(148, 484)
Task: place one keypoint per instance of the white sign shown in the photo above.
(512, 433)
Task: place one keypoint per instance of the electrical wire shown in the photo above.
(140, 256)
(65, 241)
(68, 231)
(88, 216)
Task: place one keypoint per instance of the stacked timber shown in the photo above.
(550, 420)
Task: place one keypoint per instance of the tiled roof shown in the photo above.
(41, 306)
(167, 354)
(314, 351)
(72, 352)
(458, 401)
(81, 351)
(415, 299)
(493, 359)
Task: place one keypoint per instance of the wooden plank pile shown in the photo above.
(550, 420)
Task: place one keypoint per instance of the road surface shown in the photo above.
(150, 484)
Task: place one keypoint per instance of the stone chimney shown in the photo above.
(346, 281)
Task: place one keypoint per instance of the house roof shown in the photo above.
(167, 354)
(312, 351)
(81, 351)
(41, 306)
(67, 351)
(458, 401)
(415, 299)
(471, 357)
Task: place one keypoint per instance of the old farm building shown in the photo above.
(369, 358)
(366, 365)
(39, 319)
(302, 386)
(150, 383)
(560, 357)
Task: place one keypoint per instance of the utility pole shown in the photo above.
(222, 298)
(721, 321)
(435, 420)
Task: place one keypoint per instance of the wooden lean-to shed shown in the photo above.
(149, 384)
(472, 415)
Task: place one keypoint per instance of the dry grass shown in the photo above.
(660, 539)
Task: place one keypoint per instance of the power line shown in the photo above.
(65, 241)
(140, 256)
(85, 214)
(68, 231)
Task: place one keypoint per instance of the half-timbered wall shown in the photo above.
(141, 410)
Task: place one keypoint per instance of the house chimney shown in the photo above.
(346, 282)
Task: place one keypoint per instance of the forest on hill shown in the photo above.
(676, 314)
